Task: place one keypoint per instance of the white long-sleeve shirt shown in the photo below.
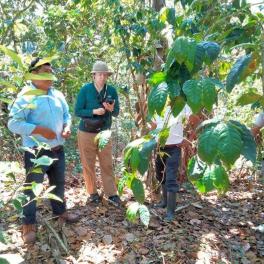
(175, 124)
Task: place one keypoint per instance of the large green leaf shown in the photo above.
(40, 76)
(35, 92)
(157, 78)
(103, 138)
(138, 190)
(200, 94)
(249, 148)
(134, 159)
(238, 72)
(163, 135)
(157, 98)
(4, 261)
(174, 88)
(205, 183)
(249, 98)
(214, 177)
(46, 60)
(178, 104)
(220, 178)
(230, 143)
(132, 211)
(196, 168)
(211, 51)
(144, 214)
(37, 188)
(43, 161)
(208, 142)
(198, 58)
(17, 205)
(145, 154)
(14, 56)
(52, 196)
(183, 51)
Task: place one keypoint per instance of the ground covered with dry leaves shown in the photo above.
(207, 229)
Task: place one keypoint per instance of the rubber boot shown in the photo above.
(171, 205)
(163, 202)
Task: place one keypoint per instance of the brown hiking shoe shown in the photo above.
(69, 217)
(29, 233)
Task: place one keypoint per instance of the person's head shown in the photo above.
(36, 68)
(100, 73)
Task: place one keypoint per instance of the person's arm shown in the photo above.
(80, 106)
(66, 132)
(18, 123)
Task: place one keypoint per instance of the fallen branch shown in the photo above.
(56, 235)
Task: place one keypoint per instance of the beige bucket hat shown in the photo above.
(101, 66)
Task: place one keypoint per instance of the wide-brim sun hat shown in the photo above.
(101, 66)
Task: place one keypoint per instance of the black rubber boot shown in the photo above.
(171, 205)
(163, 202)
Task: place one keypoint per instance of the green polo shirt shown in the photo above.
(89, 99)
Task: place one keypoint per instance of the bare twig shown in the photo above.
(56, 235)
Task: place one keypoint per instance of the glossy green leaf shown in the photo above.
(200, 94)
(35, 92)
(52, 196)
(138, 190)
(43, 161)
(220, 179)
(238, 72)
(157, 78)
(163, 135)
(183, 51)
(249, 98)
(144, 214)
(208, 142)
(132, 211)
(177, 105)
(196, 168)
(157, 98)
(17, 205)
(40, 76)
(214, 177)
(230, 143)
(211, 51)
(249, 149)
(198, 58)
(174, 88)
(37, 188)
(134, 159)
(46, 60)
(103, 138)
(4, 261)
(145, 154)
(14, 56)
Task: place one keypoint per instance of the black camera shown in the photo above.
(109, 100)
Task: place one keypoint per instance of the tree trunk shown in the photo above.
(158, 4)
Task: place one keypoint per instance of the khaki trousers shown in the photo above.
(88, 152)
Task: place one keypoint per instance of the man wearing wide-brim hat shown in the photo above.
(96, 103)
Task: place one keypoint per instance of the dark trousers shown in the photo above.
(56, 176)
(167, 166)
